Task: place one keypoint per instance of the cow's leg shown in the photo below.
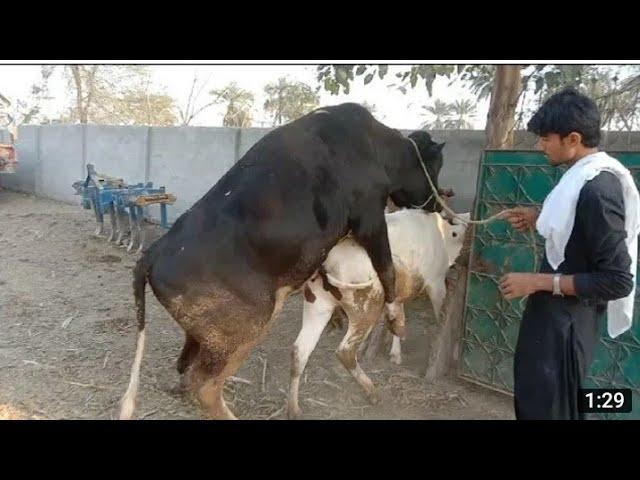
(361, 321)
(437, 294)
(316, 313)
(347, 353)
(370, 230)
(395, 354)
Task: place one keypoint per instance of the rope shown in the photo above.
(492, 218)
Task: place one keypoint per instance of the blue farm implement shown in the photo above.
(104, 193)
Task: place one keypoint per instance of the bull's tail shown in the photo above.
(353, 286)
(128, 402)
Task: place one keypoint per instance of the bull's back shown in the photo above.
(270, 218)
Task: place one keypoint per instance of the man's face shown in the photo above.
(559, 150)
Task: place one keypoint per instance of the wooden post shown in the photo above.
(443, 350)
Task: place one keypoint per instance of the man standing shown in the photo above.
(590, 222)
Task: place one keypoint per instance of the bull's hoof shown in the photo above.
(374, 397)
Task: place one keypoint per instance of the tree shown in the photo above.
(441, 111)
(463, 112)
(84, 79)
(15, 112)
(239, 104)
(191, 110)
(506, 86)
(138, 106)
(501, 118)
(619, 101)
(287, 100)
(504, 91)
(121, 95)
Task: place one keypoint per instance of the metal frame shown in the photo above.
(103, 194)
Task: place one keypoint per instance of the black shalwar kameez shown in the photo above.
(558, 335)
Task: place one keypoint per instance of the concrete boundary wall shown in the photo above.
(188, 161)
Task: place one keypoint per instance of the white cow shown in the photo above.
(423, 246)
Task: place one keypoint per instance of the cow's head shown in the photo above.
(410, 187)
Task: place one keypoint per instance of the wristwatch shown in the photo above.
(556, 286)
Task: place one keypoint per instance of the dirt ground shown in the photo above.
(67, 340)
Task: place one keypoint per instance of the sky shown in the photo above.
(397, 110)
(393, 108)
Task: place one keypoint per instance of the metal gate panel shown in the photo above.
(524, 178)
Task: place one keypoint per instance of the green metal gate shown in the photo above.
(491, 323)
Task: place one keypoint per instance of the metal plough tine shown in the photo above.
(119, 225)
(132, 227)
(112, 215)
(141, 233)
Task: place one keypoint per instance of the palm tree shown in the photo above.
(239, 103)
(463, 112)
(441, 111)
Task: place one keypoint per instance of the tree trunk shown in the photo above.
(91, 87)
(507, 85)
(82, 114)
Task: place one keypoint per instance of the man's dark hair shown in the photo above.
(565, 112)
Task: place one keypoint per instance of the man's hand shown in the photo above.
(515, 285)
(522, 218)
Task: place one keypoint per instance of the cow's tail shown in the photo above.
(349, 286)
(128, 402)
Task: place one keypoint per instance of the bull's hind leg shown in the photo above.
(208, 374)
(187, 356)
(316, 313)
(226, 330)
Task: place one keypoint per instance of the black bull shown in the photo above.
(226, 266)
